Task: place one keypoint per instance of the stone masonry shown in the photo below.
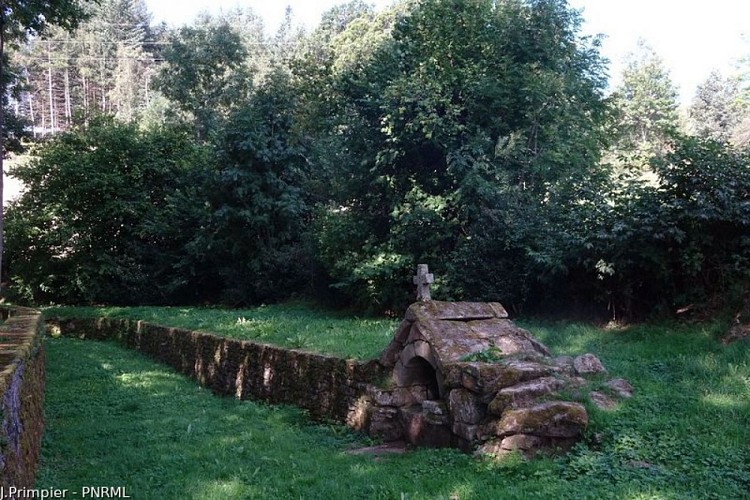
(466, 376)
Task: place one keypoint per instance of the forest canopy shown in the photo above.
(216, 163)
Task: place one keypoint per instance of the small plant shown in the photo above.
(490, 355)
(298, 341)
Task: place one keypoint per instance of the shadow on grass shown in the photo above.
(115, 418)
(689, 421)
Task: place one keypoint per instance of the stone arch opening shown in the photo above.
(419, 371)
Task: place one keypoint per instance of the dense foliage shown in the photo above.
(107, 216)
(459, 125)
(470, 135)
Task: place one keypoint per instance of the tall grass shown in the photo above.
(115, 418)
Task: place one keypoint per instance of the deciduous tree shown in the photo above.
(20, 19)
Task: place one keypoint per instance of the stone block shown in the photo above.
(452, 374)
(602, 401)
(522, 442)
(465, 406)
(459, 311)
(418, 430)
(358, 417)
(390, 354)
(465, 431)
(588, 364)
(477, 376)
(436, 412)
(515, 372)
(400, 396)
(523, 394)
(565, 364)
(452, 341)
(423, 350)
(385, 424)
(621, 387)
(508, 337)
(551, 419)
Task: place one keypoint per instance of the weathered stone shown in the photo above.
(358, 417)
(588, 364)
(462, 311)
(577, 382)
(621, 387)
(565, 364)
(602, 401)
(434, 348)
(424, 351)
(515, 372)
(453, 340)
(390, 354)
(423, 280)
(508, 337)
(514, 344)
(465, 431)
(436, 412)
(498, 309)
(553, 419)
(492, 447)
(453, 374)
(523, 394)
(386, 425)
(400, 396)
(470, 377)
(418, 430)
(465, 406)
(522, 442)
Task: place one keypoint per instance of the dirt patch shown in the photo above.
(392, 448)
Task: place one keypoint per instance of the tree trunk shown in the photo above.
(85, 99)
(2, 146)
(31, 106)
(51, 94)
(68, 106)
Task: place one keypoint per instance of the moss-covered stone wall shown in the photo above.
(326, 386)
(22, 387)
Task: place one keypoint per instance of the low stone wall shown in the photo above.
(518, 400)
(326, 386)
(22, 387)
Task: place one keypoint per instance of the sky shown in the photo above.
(693, 37)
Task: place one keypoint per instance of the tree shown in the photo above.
(20, 19)
(647, 102)
(458, 128)
(108, 217)
(206, 71)
(258, 206)
(716, 108)
(104, 66)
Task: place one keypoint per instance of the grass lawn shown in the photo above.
(296, 325)
(116, 418)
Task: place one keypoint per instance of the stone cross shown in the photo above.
(423, 279)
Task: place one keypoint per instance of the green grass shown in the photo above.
(115, 418)
(294, 325)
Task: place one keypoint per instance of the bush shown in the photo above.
(681, 239)
(107, 216)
